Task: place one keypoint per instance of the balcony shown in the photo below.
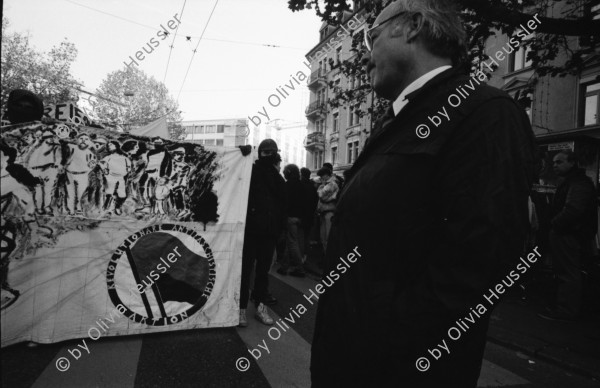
(315, 109)
(314, 142)
(316, 78)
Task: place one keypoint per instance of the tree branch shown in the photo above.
(570, 27)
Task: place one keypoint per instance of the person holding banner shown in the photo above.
(265, 220)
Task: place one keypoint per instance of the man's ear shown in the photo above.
(414, 26)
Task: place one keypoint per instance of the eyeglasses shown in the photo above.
(369, 39)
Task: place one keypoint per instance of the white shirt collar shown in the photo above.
(401, 101)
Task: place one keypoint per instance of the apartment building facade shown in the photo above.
(563, 110)
(335, 135)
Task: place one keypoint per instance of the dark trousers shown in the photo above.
(294, 236)
(567, 256)
(459, 369)
(257, 249)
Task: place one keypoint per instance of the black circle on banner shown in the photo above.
(156, 243)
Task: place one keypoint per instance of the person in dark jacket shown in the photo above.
(264, 222)
(311, 199)
(292, 258)
(574, 223)
(428, 222)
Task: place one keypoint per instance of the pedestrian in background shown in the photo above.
(294, 234)
(328, 191)
(265, 220)
(573, 227)
(338, 179)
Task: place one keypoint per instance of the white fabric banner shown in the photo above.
(108, 234)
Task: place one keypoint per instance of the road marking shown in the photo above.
(288, 363)
(112, 362)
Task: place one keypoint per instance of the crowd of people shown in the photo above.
(283, 217)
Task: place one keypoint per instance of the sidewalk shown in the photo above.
(515, 324)
(574, 346)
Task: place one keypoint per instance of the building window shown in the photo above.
(321, 68)
(518, 59)
(211, 129)
(336, 122)
(220, 142)
(201, 129)
(318, 159)
(353, 117)
(591, 103)
(220, 128)
(209, 142)
(524, 98)
(352, 153)
(338, 55)
(333, 155)
(320, 125)
(321, 96)
(349, 153)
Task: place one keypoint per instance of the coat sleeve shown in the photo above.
(580, 194)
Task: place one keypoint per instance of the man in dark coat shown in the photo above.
(574, 223)
(427, 223)
(264, 222)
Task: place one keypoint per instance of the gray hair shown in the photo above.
(444, 34)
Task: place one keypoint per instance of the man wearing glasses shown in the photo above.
(441, 218)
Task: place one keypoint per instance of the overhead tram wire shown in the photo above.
(173, 42)
(194, 37)
(196, 48)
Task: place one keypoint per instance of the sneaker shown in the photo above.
(243, 320)
(263, 315)
(553, 315)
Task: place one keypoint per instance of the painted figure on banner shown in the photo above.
(179, 178)
(95, 192)
(116, 166)
(44, 163)
(139, 161)
(162, 193)
(18, 215)
(25, 147)
(80, 161)
(159, 165)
